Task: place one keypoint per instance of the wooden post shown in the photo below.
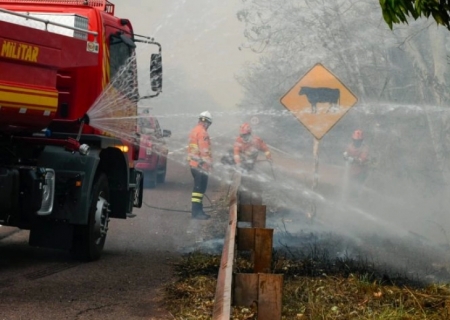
(245, 291)
(270, 288)
(259, 242)
(245, 213)
(255, 214)
(315, 183)
(259, 216)
(261, 290)
(263, 250)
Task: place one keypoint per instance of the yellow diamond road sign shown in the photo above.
(319, 100)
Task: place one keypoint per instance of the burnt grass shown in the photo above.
(325, 277)
(399, 262)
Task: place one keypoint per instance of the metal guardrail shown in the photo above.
(222, 301)
(259, 289)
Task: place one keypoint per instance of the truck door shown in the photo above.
(123, 78)
(123, 68)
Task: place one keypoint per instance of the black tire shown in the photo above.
(150, 179)
(161, 177)
(89, 239)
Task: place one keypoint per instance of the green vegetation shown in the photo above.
(397, 11)
(348, 290)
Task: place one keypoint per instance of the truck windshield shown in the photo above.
(123, 69)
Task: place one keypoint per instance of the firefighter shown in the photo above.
(247, 147)
(200, 161)
(357, 155)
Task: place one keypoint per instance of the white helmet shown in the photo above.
(205, 116)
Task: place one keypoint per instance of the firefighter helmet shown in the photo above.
(245, 129)
(357, 135)
(205, 116)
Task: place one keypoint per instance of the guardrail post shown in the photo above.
(263, 250)
(259, 242)
(260, 289)
(255, 214)
(270, 288)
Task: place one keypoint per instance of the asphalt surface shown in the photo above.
(140, 253)
(129, 279)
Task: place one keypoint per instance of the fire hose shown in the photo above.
(176, 210)
(207, 207)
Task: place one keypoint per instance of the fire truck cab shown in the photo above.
(66, 165)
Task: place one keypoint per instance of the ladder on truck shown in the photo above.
(5, 15)
(103, 5)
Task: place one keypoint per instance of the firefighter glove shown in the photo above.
(206, 166)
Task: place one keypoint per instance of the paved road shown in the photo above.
(127, 282)
(139, 254)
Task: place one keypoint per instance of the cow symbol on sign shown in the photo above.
(321, 95)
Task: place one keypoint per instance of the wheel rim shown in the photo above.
(101, 219)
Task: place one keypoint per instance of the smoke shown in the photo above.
(397, 217)
(403, 202)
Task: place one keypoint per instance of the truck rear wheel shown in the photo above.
(89, 239)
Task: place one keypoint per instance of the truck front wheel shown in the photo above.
(89, 239)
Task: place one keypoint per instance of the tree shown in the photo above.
(400, 75)
(398, 11)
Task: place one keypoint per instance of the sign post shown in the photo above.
(318, 101)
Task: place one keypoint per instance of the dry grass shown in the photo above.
(316, 285)
(355, 297)
(342, 295)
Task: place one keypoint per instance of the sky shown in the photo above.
(200, 39)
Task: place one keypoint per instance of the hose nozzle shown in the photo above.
(84, 119)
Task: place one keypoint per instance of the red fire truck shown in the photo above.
(61, 176)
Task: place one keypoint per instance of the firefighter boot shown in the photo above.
(197, 211)
(203, 212)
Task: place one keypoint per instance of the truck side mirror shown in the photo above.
(156, 72)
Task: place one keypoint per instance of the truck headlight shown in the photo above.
(48, 193)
